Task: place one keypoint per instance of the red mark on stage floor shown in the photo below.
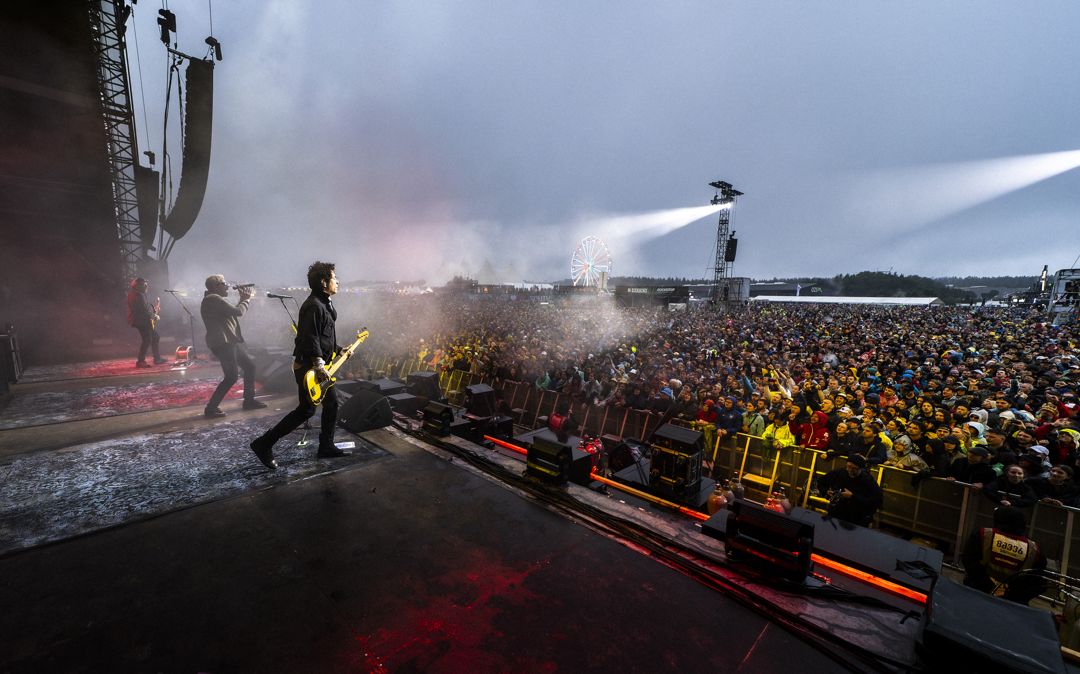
(456, 628)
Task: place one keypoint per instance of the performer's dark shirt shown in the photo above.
(316, 336)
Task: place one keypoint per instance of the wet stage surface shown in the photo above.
(53, 407)
(169, 548)
(54, 495)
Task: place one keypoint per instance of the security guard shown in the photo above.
(999, 557)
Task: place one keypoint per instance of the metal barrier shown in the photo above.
(942, 511)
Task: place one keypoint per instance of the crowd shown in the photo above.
(986, 396)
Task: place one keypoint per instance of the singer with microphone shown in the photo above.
(223, 337)
(143, 316)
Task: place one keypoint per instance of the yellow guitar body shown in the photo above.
(317, 390)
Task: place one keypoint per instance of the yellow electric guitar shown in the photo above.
(316, 389)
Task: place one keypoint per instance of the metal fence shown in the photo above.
(943, 512)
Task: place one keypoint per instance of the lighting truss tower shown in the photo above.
(725, 194)
(107, 20)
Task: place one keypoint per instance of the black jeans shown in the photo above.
(149, 340)
(304, 411)
(233, 358)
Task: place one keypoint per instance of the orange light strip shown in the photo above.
(869, 578)
(649, 497)
(881, 583)
(507, 445)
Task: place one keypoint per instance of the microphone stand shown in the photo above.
(307, 422)
(284, 306)
(191, 319)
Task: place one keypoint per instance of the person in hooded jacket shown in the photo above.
(728, 419)
(813, 434)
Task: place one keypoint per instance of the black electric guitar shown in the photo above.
(316, 389)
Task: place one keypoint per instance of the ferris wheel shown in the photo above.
(591, 259)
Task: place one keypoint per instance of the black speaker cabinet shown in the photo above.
(273, 369)
(679, 439)
(773, 542)
(386, 387)
(557, 462)
(675, 461)
(424, 385)
(437, 418)
(480, 400)
(405, 403)
(971, 631)
(548, 459)
(365, 410)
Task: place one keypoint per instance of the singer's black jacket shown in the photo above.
(316, 336)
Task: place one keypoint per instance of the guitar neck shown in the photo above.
(340, 360)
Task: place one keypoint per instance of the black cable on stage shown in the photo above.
(669, 553)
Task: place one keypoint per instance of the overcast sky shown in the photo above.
(412, 139)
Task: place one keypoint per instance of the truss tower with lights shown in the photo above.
(725, 239)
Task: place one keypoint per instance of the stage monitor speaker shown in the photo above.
(349, 387)
(405, 403)
(365, 410)
(273, 369)
(773, 542)
(548, 459)
(425, 385)
(386, 387)
(480, 400)
(437, 418)
(971, 631)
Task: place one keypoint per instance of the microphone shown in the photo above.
(176, 292)
(275, 296)
(241, 286)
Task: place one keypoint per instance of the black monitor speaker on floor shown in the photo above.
(438, 418)
(771, 541)
(364, 411)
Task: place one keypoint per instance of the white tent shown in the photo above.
(817, 299)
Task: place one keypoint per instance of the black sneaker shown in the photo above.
(254, 405)
(141, 364)
(330, 453)
(160, 361)
(213, 412)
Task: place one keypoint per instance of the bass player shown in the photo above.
(316, 345)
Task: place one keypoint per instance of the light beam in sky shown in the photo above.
(910, 198)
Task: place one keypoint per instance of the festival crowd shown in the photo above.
(985, 396)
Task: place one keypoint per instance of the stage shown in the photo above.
(165, 546)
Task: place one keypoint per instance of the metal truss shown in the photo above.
(107, 19)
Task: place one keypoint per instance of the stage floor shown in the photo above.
(163, 546)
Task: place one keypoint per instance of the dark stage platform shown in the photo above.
(172, 550)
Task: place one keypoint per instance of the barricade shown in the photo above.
(939, 510)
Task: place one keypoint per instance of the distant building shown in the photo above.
(785, 288)
(805, 299)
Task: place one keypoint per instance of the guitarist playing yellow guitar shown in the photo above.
(317, 384)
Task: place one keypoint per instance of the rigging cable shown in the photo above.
(142, 88)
